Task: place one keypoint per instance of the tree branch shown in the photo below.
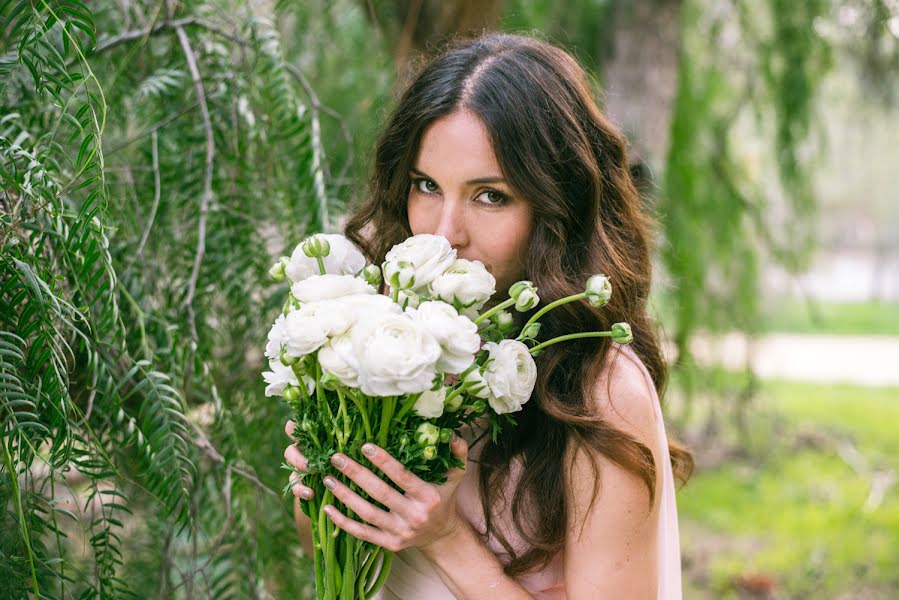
(136, 34)
(207, 182)
(317, 150)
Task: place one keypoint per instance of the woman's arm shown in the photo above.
(423, 516)
(304, 528)
(611, 550)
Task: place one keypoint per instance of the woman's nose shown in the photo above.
(452, 223)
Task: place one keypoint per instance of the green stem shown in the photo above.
(362, 411)
(346, 417)
(407, 406)
(553, 305)
(321, 265)
(14, 479)
(387, 408)
(382, 575)
(570, 336)
(502, 305)
(363, 573)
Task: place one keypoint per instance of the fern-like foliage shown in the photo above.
(136, 231)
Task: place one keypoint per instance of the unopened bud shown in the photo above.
(277, 270)
(316, 246)
(399, 274)
(429, 453)
(291, 393)
(329, 381)
(621, 333)
(407, 299)
(599, 290)
(453, 404)
(530, 332)
(445, 435)
(427, 434)
(479, 406)
(526, 300)
(286, 359)
(372, 275)
(504, 320)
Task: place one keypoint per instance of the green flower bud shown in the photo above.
(520, 286)
(599, 290)
(404, 440)
(372, 275)
(427, 434)
(316, 246)
(530, 332)
(621, 333)
(407, 298)
(291, 393)
(329, 382)
(277, 270)
(527, 300)
(479, 406)
(288, 360)
(399, 274)
(429, 453)
(445, 435)
(453, 404)
(504, 320)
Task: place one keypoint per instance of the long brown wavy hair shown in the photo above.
(561, 154)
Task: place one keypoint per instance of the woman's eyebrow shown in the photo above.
(494, 179)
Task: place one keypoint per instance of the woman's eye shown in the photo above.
(492, 198)
(425, 186)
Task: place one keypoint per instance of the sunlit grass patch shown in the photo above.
(795, 511)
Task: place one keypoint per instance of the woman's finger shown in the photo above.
(394, 469)
(295, 458)
(366, 511)
(299, 490)
(361, 531)
(374, 486)
(459, 448)
(288, 429)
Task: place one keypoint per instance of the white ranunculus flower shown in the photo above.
(343, 259)
(511, 375)
(327, 287)
(307, 329)
(466, 282)
(281, 376)
(457, 335)
(276, 338)
(476, 384)
(430, 404)
(429, 255)
(336, 357)
(395, 355)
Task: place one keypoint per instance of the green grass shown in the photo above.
(794, 510)
(836, 318)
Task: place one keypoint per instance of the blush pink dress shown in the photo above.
(413, 578)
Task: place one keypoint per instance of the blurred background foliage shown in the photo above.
(156, 156)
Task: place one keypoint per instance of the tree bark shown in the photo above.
(640, 75)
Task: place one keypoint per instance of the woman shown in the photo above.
(498, 146)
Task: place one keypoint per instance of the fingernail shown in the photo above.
(327, 509)
(306, 493)
(330, 483)
(368, 450)
(338, 461)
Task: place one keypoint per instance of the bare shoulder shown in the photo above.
(624, 397)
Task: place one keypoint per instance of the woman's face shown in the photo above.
(458, 191)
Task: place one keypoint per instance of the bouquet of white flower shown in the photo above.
(405, 370)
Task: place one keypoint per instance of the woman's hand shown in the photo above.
(295, 458)
(420, 515)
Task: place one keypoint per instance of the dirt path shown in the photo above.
(862, 360)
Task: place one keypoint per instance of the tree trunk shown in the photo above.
(640, 75)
